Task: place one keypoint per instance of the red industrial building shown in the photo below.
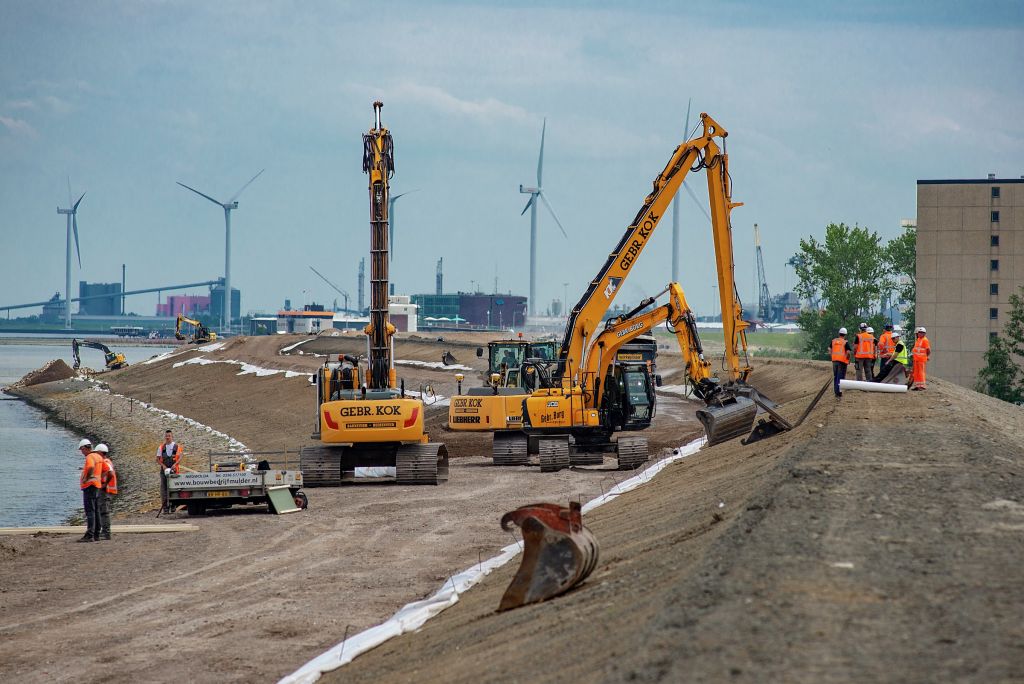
(187, 305)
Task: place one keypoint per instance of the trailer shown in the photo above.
(237, 483)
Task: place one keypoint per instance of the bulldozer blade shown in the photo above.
(722, 423)
(559, 553)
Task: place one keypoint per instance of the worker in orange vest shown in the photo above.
(886, 346)
(168, 455)
(840, 359)
(920, 354)
(108, 488)
(864, 354)
(90, 483)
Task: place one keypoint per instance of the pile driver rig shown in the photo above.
(364, 417)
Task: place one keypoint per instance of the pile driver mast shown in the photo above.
(379, 163)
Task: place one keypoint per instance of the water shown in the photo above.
(39, 467)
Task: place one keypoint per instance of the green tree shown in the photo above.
(1001, 376)
(901, 253)
(847, 275)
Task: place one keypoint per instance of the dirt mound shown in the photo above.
(51, 372)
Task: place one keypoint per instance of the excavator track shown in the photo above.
(588, 458)
(722, 423)
(632, 452)
(321, 466)
(553, 453)
(510, 448)
(421, 464)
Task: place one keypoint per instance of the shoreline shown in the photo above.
(66, 340)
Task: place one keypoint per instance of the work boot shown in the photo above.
(86, 538)
(104, 537)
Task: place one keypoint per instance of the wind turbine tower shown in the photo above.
(72, 215)
(675, 213)
(535, 193)
(229, 206)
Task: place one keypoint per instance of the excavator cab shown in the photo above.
(629, 399)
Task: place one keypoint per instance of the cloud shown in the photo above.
(17, 126)
(20, 104)
(486, 110)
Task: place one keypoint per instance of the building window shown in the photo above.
(994, 240)
(993, 313)
(995, 192)
(993, 335)
(994, 264)
(993, 288)
(995, 217)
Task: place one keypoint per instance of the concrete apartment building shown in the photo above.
(970, 259)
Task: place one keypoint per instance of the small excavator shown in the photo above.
(113, 360)
(200, 334)
(365, 419)
(578, 405)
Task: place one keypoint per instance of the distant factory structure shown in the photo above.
(471, 310)
(185, 305)
(105, 299)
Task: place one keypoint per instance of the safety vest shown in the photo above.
(839, 351)
(900, 353)
(885, 344)
(865, 346)
(91, 470)
(108, 476)
(168, 455)
(921, 348)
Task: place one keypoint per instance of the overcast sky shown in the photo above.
(834, 110)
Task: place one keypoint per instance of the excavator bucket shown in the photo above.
(447, 358)
(560, 553)
(724, 422)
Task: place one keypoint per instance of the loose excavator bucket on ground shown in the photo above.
(560, 553)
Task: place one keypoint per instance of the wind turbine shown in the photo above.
(391, 222)
(72, 215)
(675, 212)
(225, 320)
(534, 193)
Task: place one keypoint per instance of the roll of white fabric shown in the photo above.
(870, 386)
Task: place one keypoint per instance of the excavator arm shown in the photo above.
(201, 334)
(702, 151)
(112, 359)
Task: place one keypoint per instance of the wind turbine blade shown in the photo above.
(74, 224)
(687, 129)
(75, 208)
(540, 159)
(697, 202)
(219, 204)
(553, 215)
(528, 203)
(235, 196)
(403, 194)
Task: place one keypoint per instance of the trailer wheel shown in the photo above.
(301, 501)
(196, 509)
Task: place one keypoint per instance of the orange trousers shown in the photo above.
(919, 374)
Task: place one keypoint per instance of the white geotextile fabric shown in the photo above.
(413, 615)
(870, 386)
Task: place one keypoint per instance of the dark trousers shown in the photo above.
(90, 500)
(105, 502)
(163, 491)
(838, 373)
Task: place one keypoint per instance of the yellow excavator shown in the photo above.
(578, 405)
(364, 418)
(113, 360)
(199, 334)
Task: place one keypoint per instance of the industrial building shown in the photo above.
(970, 259)
(476, 310)
(107, 302)
(186, 305)
(217, 301)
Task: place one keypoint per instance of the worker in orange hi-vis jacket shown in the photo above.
(886, 345)
(840, 351)
(864, 354)
(168, 455)
(108, 488)
(920, 354)
(90, 484)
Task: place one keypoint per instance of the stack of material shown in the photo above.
(51, 372)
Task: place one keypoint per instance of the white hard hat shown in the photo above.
(102, 448)
(871, 330)
(895, 336)
(863, 326)
(842, 331)
(921, 329)
(84, 443)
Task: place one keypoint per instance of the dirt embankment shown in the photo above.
(881, 541)
(252, 596)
